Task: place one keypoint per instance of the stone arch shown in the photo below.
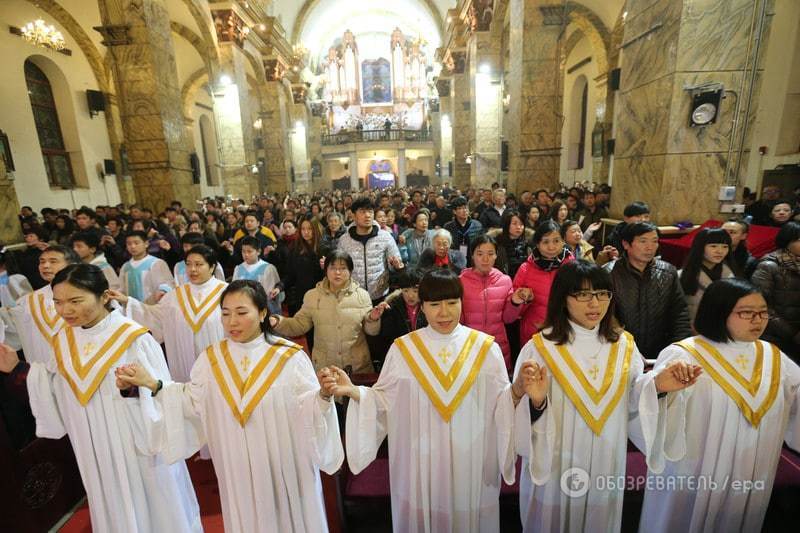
(593, 28)
(572, 41)
(577, 122)
(192, 38)
(309, 5)
(197, 79)
(208, 33)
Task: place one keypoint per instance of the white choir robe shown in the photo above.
(562, 439)
(268, 447)
(445, 476)
(721, 444)
(37, 322)
(129, 488)
(154, 279)
(114, 283)
(186, 320)
(12, 288)
(182, 278)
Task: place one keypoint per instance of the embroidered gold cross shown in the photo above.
(594, 371)
(444, 354)
(88, 349)
(741, 360)
(245, 363)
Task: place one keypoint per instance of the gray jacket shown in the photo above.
(370, 256)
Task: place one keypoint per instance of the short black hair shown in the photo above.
(571, 278)
(363, 202)
(440, 284)
(83, 276)
(193, 238)
(254, 214)
(89, 238)
(338, 256)
(252, 242)
(408, 278)
(636, 209)
(789, 232)
(458, 201)
(206, 252)
(86, 211)
(716, 305)
(69, 254)
(419, 213)
(548, 226)
(742, 222)
(137, 233)
(481, 239)
(631, 231)
(565, 226)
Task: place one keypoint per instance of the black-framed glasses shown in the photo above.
(586, 296)
(750, 315)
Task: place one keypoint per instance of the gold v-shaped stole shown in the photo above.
(85, 378)
(722, 371)
(446, 381)
(273, 361)
(597, 396)
(47, 325)
(196, 314)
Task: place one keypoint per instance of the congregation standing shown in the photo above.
(498, 327)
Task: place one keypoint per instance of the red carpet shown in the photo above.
(205, 486)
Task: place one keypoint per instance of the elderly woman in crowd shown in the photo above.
(416, 239)
(440, 255)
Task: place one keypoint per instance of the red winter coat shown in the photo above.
(486, 305)
(532, 276)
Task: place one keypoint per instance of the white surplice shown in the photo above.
(114, 283)
(12, 288)
(128, 486)
(187, 320)
(37, 322)
(596, 398)
(733, 438)
(268, 443)
(445, 402)
(156, 277)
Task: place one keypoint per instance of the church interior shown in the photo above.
(691, 106)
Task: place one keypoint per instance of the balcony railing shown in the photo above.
(375, 136)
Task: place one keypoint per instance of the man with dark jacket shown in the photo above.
(649, 301)
(462, 228)
(634, 212)
(492, 217)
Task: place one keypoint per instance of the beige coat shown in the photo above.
(338, 321)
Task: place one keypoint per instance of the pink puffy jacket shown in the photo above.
(533, 314)
(486, 305)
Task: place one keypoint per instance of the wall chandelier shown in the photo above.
(39, 33)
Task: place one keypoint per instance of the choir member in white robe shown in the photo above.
(580, 440)
(12, 288)
(255, 399)
(444, 399)
(188, 241)
(255, 268)
(186, 320)
(35, 315)
(87, 245)
(736, 419)
(143, 276)
(129, 488)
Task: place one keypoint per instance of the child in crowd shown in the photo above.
(87, 245)
(256, 269)
(144, 277)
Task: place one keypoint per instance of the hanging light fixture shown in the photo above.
(39, 33)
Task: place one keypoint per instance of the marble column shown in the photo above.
(275, 133)
(669, 46)
(484, 71)
(534, 85)
(443, 86)
(10, 229)
(234, 124)
(354, 170)
(402, 180)
(149, 97)
(462, 123)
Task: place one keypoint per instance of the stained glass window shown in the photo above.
(56, 159)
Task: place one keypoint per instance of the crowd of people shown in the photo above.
(461, 303)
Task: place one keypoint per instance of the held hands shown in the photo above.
(612, 252)
(377, 311)
(336, 382)
(522, 295)
(677, 375)
(8, 358)
(134, 375)
(531, 380)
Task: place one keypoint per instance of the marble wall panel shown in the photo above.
(637, 7)
(654, 55)
(714, 34)
(642, 119)
(638, 178)
(10, 229)
(684, 176)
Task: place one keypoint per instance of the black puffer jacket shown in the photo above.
(779, 279)
(650, 305)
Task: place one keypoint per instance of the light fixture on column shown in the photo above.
(225, 80)
(704, 108)
(39, 33)
(485, 69)
(258, 124)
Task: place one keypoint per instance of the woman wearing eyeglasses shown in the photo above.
(573, 433)
(736, 419)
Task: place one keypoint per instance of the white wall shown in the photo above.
(88, 144)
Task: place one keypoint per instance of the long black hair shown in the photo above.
(571, 278)
(84, 276)
(694, 261)
(716, 305)
(255, 291)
